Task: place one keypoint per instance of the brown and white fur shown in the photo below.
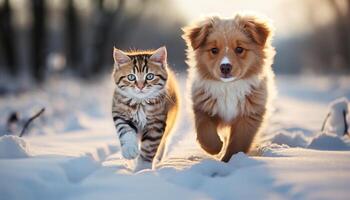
(231, 80)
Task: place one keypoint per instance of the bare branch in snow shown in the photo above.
(30, 120)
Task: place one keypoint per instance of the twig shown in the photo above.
(324, 122)
(345, 123)
(30, 120)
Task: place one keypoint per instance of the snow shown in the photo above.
(13, 147)
(321, 141)
(330, 142)
(71, 151)
(335, 120)
(292, 139)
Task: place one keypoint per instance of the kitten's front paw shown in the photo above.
(130, 151)
(130, 148)
(141, 164)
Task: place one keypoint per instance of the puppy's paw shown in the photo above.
(129, 145)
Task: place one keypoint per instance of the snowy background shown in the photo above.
(57, 55)
(72, 152)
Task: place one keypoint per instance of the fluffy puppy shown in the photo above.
(231, 80)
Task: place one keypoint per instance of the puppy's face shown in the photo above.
(228, 49)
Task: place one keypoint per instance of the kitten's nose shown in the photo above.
(225, 68)
(140, 85)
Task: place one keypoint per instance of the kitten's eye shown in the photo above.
(149, 76)
(131, 77)
(239, 50)
(214, 50)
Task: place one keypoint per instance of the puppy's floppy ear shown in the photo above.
(258, 29)
(196, 34)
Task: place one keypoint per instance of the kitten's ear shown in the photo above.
(120, 57)
(160, 55)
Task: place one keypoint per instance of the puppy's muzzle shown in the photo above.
(226, 69)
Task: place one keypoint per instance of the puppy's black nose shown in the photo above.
(225, 68)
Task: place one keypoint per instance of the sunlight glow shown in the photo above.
(288, 16)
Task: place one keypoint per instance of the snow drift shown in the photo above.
(13, 147)
(73, 153)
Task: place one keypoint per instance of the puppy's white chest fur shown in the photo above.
(229, 96)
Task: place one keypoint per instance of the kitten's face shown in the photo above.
(140, 75)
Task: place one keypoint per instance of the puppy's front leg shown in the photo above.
(242, 135)
(207, 135)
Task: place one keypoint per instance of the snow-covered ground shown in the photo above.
(71, 152)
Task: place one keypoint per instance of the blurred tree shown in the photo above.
(109, 25)
(38, 40)
(342, 25)
(102, 25)
(7, 38)
(73, 47)
(85, 31)
(327, 47)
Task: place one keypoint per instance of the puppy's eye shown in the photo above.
(239, 50)
(214, 50)
(149, 76)
(131, 77)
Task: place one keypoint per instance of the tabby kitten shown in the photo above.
(145, 103)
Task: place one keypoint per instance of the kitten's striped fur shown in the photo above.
(144, 109)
